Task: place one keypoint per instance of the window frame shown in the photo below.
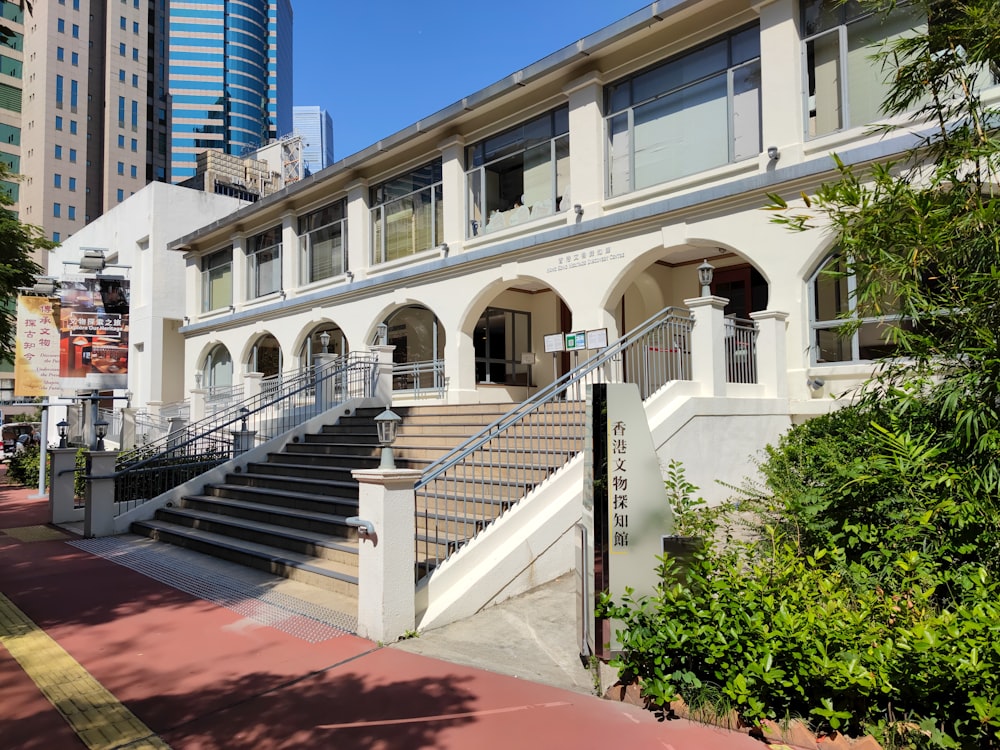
(308, 241)
(412, 186)
(258, 247)
(215, 267)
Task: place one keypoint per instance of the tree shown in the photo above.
(18, 243)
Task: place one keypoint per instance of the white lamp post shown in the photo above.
(387, 422)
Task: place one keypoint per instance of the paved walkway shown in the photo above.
(98, 655)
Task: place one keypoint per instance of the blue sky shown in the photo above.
(378, 67)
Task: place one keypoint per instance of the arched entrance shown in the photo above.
(418, 358)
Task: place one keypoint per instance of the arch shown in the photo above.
(310, 343)
(418, 336)
(264, 355)
(217, 367)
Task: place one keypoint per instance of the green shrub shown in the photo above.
(22, 466)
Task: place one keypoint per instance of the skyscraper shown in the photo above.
(316, 128)
(93, 108)
(230, 77)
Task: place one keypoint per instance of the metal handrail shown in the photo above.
(152, 469)
(466, 489)
(741, 350)
(419, 377)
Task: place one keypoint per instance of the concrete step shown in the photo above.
(337, 483)
(303, 568)
(327, 518)
(282, 499)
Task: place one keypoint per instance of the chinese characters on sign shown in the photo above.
(36, 359)
(618, 470)
(93, 338)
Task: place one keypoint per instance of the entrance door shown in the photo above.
(744, 287)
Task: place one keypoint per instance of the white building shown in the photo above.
(579, 193)
(136, 235)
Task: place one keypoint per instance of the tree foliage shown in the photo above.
(18, 243)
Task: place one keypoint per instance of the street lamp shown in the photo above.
(101, 430)
(324, 340)
(63, 427)
(706, 271)
(387, 422)
(244, 413)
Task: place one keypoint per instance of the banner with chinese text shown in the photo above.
(36, 356)
(93, 335)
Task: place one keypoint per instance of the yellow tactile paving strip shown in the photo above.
(91, 711)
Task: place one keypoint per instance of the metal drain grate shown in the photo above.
(310, 622)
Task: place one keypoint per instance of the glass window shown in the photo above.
(123, 23)
(71, 212)
(72, 155)
(57, 180)
(76, 31)
(121, 75)
(844, 86)
(121, 49)
(407, 214)
(264, 263)
(58, 151)
(132, 171)
(218, 369)
(75, 58)
(120, 195)
(121, 168)
(57, 210)
(59, 122)
(61, 25)
(691, 113)
(323, 240)
(217, 280)
(72, 184)
(72, 127)
(59, 91)
(831, 298)
(60, 54)
(121, 141)
(74, 93)
(520, 174)
(500, 337)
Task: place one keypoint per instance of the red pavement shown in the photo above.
(201, 676)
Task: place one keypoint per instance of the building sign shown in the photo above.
(597, 339)
(36, 357)
(626, 500)
(576, 341)
(554, 342)
(93, 333)
(583, 258)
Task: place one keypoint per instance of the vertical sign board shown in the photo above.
(627, 501)
(93, 335)
(36, 357)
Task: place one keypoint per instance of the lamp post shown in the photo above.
(387, 422)
(324, 340)
(706, 272)
(244, 413)
(63, 427)
(101, 430)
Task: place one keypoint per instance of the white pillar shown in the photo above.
(252, 385)
(99, 502)
(455, 230)
(383, 386)
(586, 133)
(386, 561)
(358, 228)
(708, 355)
(772, 365)
(198, 404)
(62, 489)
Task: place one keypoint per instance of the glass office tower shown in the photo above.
(230, 77)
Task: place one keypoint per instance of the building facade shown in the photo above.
(315, 126)
(230, 77)
(579, 194)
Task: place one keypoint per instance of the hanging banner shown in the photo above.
(36, 357)
(93, 333)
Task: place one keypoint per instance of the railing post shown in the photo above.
(325, 390)
(252, 385)
(99, 500)
(198, 397)
(383, 385)
(708, 354)
(127, 441)
(62, 488)
(386, 560)
(175, 432)
(772, 364)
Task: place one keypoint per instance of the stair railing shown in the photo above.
(464, 491)
(145, 472)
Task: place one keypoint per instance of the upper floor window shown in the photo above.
(520, 174)
(845, 88)
(264, 263)
(693, 112)
(323, 240)
(216, 279)
(407, 214)
(831, 298)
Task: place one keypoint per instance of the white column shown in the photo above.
(99, 503)
(453, 182)
(289, 252)
(383, 386)
(782, 100)
(61, 486)
(239, 241)
(387, 559)
(708, 355)
(772, 364)
(251, 385)
(586, 135)
(358, 229)
(198, 404)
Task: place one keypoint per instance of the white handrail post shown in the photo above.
(708, 355)
(772, 364)
(383, 385)
(99, 501)
(62, 488)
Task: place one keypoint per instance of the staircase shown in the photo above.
(287, 515)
